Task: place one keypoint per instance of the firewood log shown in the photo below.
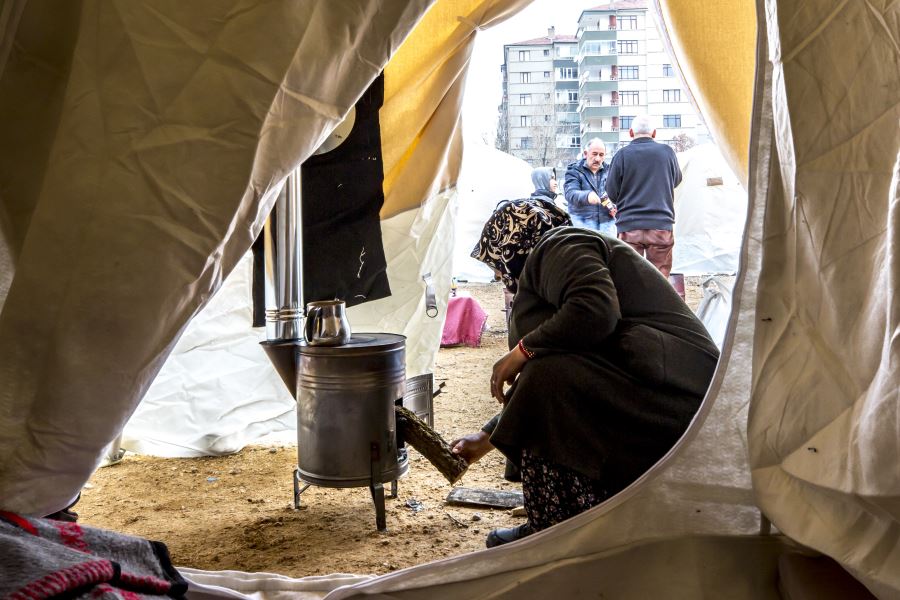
(416, 432)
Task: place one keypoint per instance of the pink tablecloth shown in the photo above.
(465, 322)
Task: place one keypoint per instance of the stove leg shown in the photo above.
(297, 489)
(393, 489)
(377, 490)
(376, 487)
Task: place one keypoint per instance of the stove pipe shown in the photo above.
(283, 257)
(284, 264)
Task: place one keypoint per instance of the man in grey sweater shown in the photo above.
(642, 180)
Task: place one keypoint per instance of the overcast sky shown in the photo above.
(483, 89)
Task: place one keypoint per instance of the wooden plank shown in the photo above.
(463, 496)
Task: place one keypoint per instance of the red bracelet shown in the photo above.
(528, 353)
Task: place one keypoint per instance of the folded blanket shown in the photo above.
(44, 558)
(465, 322)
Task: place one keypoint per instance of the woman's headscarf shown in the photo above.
(541, 177)
(512, 231)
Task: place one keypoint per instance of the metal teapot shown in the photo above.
(326, 323)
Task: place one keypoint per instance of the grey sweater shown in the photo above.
(642, 180)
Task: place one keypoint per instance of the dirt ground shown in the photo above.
(236, 512)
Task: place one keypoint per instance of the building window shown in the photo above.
(671, 120)
(546, 118)
(610, 47)
(525, 77)
(629, 98)
(625, 122)
(524, 98)
(547, 98)
(671, 95)
(628, 22)
(568, 141)
(628, 73)
(523, 121)
(546, 53)
(525, 143)
(546, 74)
(667, 71)
(627, 46)
(573, 96)
(568, 72)
(524, 55)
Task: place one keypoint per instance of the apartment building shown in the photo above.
(539, 120)
(625, 70)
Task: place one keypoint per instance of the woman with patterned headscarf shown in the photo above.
(607, 365)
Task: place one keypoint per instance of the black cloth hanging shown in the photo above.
(342, 196)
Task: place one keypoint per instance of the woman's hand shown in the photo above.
(472, 446)
(505, 371)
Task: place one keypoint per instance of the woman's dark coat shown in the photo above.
(621, 363)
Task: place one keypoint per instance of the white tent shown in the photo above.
(488, 176)
(710, 213)
(141, 145)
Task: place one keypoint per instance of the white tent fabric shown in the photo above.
(824, 425)
(217, 391)
(488, 176)
(709, 216)
(168, 131)
(137, 184)
(715, 306)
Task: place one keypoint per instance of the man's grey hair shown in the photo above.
(593, 141)
(642, 125)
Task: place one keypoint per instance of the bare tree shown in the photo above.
(501, 142)
(682, 142)
(545, 134)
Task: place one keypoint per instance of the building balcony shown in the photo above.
(596, 112)
(608, 137)
(595, 101)
(596, 60)
(600, 126)
(598, 35)
(599, 86)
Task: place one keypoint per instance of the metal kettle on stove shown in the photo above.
(327, 323)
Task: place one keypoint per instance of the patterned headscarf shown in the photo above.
(512, 231)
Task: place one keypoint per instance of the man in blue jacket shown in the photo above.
(642, 180)
(585, 191)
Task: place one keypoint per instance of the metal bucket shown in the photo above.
(346, 429)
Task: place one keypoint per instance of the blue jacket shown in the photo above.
(580, 183)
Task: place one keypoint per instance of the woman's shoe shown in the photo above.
(498, 537)
(66, 515)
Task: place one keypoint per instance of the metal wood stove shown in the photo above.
(346, 430)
